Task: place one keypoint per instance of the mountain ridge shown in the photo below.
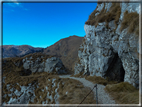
(66, 49)
(18, 50)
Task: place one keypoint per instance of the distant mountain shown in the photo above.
(66, 49)
(18, 50)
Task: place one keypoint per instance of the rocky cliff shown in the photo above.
(111, 46)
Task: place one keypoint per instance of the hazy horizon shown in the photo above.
(43, 24)
(37, 46)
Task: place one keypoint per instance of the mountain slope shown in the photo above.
(21, 50)
(33, 79)
(66, 49)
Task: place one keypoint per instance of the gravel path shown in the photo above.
(103, 97)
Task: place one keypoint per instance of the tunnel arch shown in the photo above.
(115, 70)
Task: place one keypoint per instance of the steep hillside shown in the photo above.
(21, 50)
(33, 79)
(110, 48)
(66, 49)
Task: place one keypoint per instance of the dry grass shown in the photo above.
(77, 75)
(103, 16)
(73, 88)
(75, 92)
(99, 80)
(43, 82)
(123, 93)
(12, 74)
(131, 20)
(37, 78)
(80, 75)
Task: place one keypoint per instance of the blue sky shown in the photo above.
(43, 24)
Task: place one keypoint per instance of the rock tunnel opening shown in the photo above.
(115, 70)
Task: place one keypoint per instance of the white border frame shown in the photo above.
(140, 63)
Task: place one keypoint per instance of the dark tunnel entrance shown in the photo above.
(115, 70)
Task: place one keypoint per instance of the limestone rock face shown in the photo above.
(49, 65)
(33, 63)
(35, 92)
(25, 95)
(108, 51)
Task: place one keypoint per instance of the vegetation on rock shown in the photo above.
(103, 16)
(130, 21)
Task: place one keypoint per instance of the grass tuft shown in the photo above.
(103, 16)
(73, 92)
(78, 75)
(130, 20)
(123, 93)
(96, 79)
(99, 80)
(121, 87)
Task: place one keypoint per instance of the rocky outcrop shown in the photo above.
(23, 96)
(111, 45)
(49, 65)
(34, 63)
(30, 79)
(36, 91)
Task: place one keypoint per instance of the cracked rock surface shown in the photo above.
(109, 52)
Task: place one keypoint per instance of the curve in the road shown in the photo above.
(103, 97)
